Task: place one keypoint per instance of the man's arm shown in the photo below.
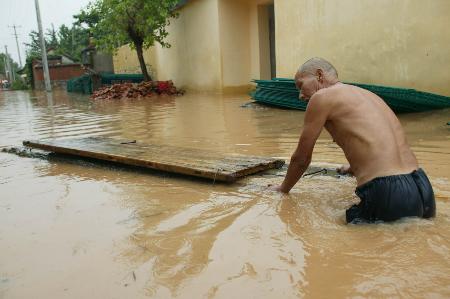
(315, 118)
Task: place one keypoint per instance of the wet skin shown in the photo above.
(359, 121)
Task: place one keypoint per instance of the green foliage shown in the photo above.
(34, 47)
(2, 63)
(72, 41)
(112, 23)
(14, 65)
(29, 70)
(132, 21)
(90, 16)
(64, 41)
(19, 85)
(140, 23)
(51, 38)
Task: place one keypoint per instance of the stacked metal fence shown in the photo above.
(283, 93)
(85, 84)
(109, 79)
(81, 84)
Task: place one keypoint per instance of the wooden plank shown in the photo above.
(185, 161)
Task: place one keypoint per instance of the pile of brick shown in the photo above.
(136, 90)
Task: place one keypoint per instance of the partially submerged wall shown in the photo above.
(399, 43)
(234, 22)
(59, 74)
(223, 44)
(245, 46)
(215, 46)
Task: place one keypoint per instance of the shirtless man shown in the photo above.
(390, 183)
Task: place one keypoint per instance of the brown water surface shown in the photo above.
(77, 229)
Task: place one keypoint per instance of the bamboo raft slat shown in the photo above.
(192, 162)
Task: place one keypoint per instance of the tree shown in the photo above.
(64, 41)
(2, 63)
(140, 23)
(14, 65)
(52, 39)
(90, 16)
(72, 40)
(34, 47)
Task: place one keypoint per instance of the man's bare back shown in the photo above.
(390, 184)
(368, 132)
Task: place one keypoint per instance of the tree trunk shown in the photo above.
(140, 55)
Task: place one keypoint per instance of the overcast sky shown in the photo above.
(23, 13)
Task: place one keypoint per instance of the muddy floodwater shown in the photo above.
(78, 229)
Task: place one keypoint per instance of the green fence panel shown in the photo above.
(283, 92)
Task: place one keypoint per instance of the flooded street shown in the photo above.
(77, 229)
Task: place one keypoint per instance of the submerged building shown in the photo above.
(221, 45)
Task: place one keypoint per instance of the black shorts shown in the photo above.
(392, 197)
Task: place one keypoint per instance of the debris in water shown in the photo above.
(323, 170)
(136, 90)
(254, 105)
(25, 152)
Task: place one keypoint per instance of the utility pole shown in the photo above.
(73, 40)
(48, 87)
(17, 43)
(8, 66)
(4, 65)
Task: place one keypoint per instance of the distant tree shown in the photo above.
(52, 39)
(139, 23)
(64, 41)
(90, 16)
(2, 63)
(29, 70)
(72, 40)
(34, 46)
(14, 65)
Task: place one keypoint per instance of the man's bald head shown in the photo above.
(317, 63)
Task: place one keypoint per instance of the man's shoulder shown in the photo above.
(326, 96)
(332, 91)
(321, 102)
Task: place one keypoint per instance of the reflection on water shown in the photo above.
(82, 230)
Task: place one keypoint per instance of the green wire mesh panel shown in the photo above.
(109, 79)
(81, 84)
(282, 92)
(84, 84)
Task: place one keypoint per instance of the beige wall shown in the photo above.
(259, 39)
(126, 62)
(193, 61)
(220, 44)
(234, 22)
(390, 42)
(264, 42)
(244, 42)
(216, 45)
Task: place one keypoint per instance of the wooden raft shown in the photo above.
(185, 161)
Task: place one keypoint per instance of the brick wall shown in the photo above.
(62, 72)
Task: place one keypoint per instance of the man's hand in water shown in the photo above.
(344, 169)
(276, 188)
